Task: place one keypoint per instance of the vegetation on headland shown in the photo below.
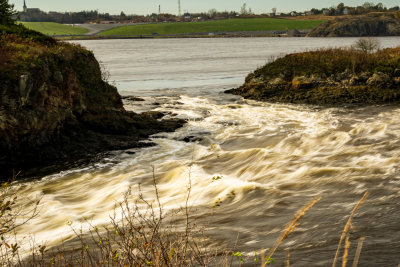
(52, 28)
(326, 77)
(231, 25)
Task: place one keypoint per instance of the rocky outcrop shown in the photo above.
(327, 77)
(55, 107)
(375, 24)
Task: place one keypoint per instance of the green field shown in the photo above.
(52, 28)
(230, 25)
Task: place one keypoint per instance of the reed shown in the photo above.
(346, 251)
(348, 225)
(358, 251)
(287, 263)
(293, 224)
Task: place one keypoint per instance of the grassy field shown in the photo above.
(230, 25)
(51, 28)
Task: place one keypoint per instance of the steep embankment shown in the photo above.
(327, 77)
(375, 24)
(55, 106)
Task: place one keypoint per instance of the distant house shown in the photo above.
(308, 13)
(325, 11)
(272, 14)
(187, 16)
(346, 11)
(293, 13)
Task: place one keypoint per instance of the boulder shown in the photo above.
(379, 79)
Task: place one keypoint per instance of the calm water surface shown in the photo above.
(272, 157)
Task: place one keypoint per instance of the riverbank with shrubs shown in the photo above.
(327, 77)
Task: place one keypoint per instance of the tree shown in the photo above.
(6, 13)
(368, 5)
(274, 10)
(367, 45)
(379, 7)
(212, 13)
(243, 10)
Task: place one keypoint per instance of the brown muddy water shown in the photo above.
(272, 157)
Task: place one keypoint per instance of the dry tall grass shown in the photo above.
(347, 227)
(293, 224)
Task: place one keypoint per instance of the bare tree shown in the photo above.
(367, 45)
(243, 10)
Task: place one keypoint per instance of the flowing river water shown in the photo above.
(270, 158)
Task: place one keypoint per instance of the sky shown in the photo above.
(143, 7)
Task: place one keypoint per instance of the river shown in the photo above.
(270, 158)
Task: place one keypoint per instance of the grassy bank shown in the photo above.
(231, 25)
(52, 28)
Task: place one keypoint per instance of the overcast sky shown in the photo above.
(171, 6)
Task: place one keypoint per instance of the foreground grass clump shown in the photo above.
(327, 76)
(231, 25)
(52, 28)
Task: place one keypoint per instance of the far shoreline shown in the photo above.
(202, 36)
(296, 33)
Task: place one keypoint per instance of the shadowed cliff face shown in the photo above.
(55, 106)
(376, 24)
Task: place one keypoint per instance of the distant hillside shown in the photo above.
(374, 24)
(229, 25)
(52, 28)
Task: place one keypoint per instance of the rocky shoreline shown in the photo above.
(327, 77)
(56, 108)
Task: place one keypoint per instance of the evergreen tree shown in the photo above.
(6, 13)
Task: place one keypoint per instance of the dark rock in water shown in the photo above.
(294, 33)
(55, 108)
(133, 98)
(374, 24)
(191, 139)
